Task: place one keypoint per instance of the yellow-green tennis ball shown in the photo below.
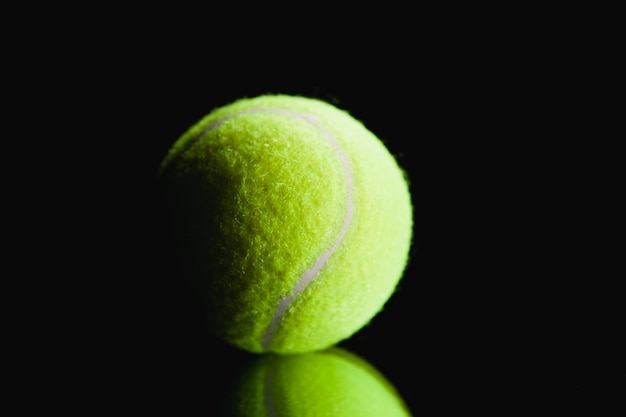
(329, 383)
(295, 221)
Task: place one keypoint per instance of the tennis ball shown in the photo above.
(295, 221)
(329, 383)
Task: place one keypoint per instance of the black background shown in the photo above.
(511, 298)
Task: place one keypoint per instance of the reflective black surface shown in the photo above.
(511, 299)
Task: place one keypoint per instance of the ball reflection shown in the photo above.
(329, 383)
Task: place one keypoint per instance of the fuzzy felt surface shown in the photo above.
(296, 221)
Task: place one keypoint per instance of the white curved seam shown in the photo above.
(310, 274)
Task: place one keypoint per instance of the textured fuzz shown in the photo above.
(330, 383)
(295, 219)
